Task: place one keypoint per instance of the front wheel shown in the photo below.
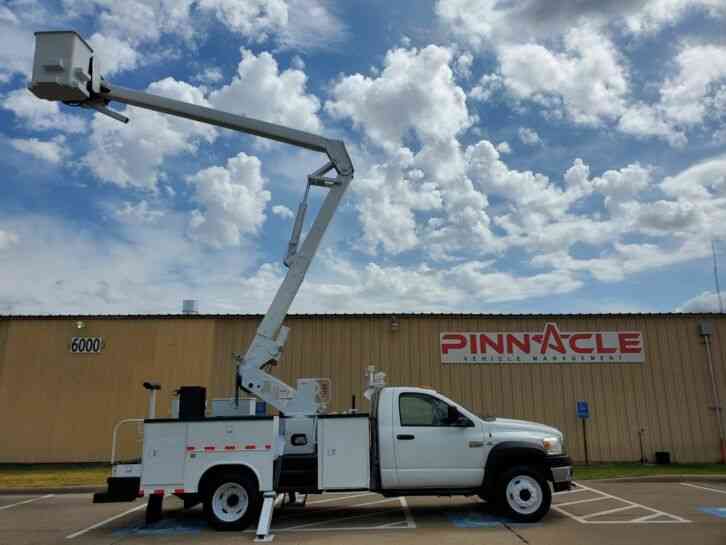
(232, 502)
(523, 494)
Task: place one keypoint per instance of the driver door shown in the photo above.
(432, 452)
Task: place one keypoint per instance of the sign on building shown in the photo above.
(547, 346)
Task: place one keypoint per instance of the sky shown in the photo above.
(511, 157)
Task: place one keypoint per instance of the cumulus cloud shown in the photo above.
(529, 136)
(52, 151)
(136, 213)
(41, 115)
(232, 201)
(586, 82)
(302, 24)
(262, 91)
(283, 212)
(132, 155)
(112, 54)
(706, 301)
(414, 95)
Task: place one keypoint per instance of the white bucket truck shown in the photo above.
(415, 441)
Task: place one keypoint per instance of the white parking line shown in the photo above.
(705, 488)
(647, 519)
(26, 501)
(321, 522)
(580, 501)
(409, 517)
(99, 524)
(338, 498)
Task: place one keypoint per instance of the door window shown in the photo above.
(422, 410)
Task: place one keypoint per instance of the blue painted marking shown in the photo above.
(475, 519)
(719, 512)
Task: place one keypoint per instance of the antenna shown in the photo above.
(715, 276)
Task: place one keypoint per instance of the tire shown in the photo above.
(232, 501)
(523, 494)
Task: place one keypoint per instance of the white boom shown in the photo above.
(63, 70)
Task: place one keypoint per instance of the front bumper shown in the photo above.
(561, 472)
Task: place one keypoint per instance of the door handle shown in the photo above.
(476, 444)
(405, 437)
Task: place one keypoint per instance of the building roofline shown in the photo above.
(360, 315)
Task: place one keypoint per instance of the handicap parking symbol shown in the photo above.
(719, 512)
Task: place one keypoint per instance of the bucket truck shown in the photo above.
(415, 441)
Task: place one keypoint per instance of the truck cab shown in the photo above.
(424, 443)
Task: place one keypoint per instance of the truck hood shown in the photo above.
(504, 425)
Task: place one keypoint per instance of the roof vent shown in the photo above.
(190, 306)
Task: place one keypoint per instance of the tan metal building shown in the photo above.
(56, 405)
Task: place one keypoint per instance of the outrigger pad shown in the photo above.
(153, 508)
(119, 489)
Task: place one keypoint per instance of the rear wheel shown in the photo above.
(523, 494)
(232, 501)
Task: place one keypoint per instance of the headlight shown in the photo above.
(553, 445)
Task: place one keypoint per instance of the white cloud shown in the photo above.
(41, 115)
(488, 85)
(113, 55)
(415, 93)
(211, 74)
(706, 301)
(52, 151)
(132, 155)
(586, 82)
(232, 199)
(693, 94)
(136, 214)
(283, 212)
(7, 239)
(301, 24)
(463, 63)
(16, 46)
(504, 148)
(529, 136)
(260, 90)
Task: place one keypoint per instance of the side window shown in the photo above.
(422, 410)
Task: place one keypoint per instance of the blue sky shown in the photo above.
(521, 157)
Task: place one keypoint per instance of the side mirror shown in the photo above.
(455, 418)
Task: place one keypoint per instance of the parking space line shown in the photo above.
(338, 498)
(579, 501)
(705, 488)
(409, 517)
(615, 510)
(26, 501)
(648, 519)
(572, 491)
(110, 519)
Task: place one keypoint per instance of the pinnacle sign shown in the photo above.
(547, 346)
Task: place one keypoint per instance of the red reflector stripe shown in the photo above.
(190, 448)
(229, 447)
(158, 492)
(268, 447)
(250, 447)
(208, 448)
(140, 494)
(178, 491)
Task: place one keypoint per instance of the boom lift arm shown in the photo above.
(64, 70)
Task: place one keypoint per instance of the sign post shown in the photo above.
(583, 413)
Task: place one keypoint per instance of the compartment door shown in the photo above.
(164, 453)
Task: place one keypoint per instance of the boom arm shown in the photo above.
(267, 345)
(63, 70)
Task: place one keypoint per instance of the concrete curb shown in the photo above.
(718, 478)
(31, 491)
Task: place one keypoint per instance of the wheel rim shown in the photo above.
(524, 494)
(230, 502)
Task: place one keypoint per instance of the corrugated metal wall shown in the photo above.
(57, 406)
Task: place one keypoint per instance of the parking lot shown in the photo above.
(604, 513)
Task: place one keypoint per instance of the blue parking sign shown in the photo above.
(583, 409)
